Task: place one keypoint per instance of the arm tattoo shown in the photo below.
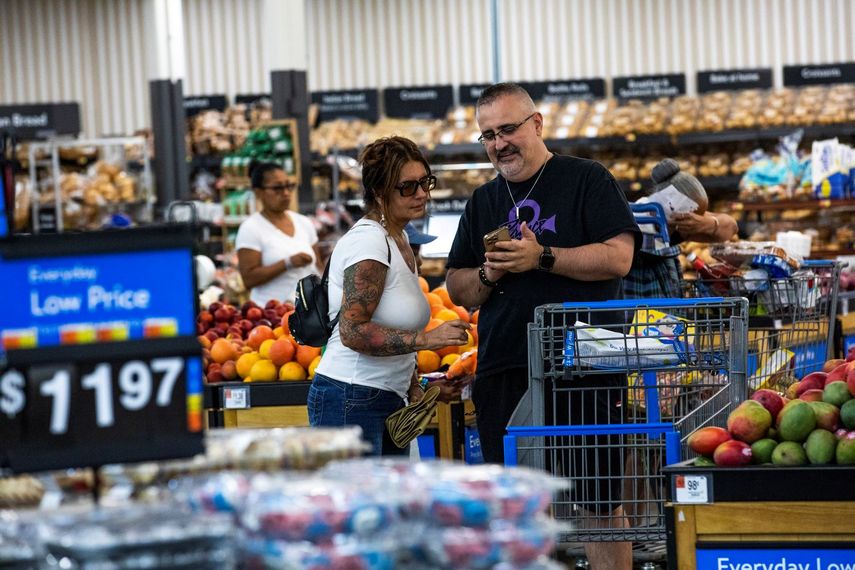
(362, 289)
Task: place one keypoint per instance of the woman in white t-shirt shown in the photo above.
(368, 367)
(276, 247)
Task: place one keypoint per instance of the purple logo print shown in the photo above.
(537, 225)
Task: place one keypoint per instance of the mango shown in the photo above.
(845, 453)
(836, 393)
(789, 453)
(812, 395)
(705, 440)
(702, 461)
(847, 414)
(838, 374)
(832, 364)
(749, 422)
(770, 400)
(813, 381)
(797, 421)
(820, 447)
(761, 450)
(827, 415)
(732, 454)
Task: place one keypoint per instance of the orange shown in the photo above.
(245, 362)
(448, 359)
(278, 332)
(264, 349)
(432, 324)
(423, 284)
(446, 350)
(446, 315)
(306, 354)
(474, 318)
(428, 361)
(292, 371)
(461, 312)
(282, 351)
(223, 350)
(263, 370)
(314, 365)
(442, 293)
(434, 300)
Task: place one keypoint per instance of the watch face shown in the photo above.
(547, 259)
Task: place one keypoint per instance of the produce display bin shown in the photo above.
(770, 517)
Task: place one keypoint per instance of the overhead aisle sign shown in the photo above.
(101, 362)
(426, 102)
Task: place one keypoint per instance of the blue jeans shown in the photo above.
(333, 403)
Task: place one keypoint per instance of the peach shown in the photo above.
(258, 335)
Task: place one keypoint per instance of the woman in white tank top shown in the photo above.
(368, 366)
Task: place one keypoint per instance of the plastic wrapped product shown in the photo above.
(138, 537)
(316, 509)
(517, 546)
(342, 552)
(604, 349)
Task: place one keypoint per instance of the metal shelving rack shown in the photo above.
(112, 150)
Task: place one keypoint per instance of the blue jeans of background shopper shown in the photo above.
(333, 403)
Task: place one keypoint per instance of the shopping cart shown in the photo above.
(791, 321)
(615, 389)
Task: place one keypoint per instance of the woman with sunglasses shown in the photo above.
(276, 247)
(368, 367)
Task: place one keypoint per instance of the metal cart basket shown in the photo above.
(791, 320)
(615, 389)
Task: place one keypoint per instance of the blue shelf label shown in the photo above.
(96, 298)
(775, 558)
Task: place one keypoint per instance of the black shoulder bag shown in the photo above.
(310, 323)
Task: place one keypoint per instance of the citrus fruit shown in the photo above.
(245, 362)
(292, 371)
(263, 370)
(428, 361)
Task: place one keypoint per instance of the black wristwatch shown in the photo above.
(547, 259)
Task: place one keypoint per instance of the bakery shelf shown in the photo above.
(791, 205)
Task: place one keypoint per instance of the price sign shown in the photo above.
(691, 489)
(101, 363)
(236, 398)
(100, 411)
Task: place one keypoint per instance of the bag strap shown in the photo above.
(325, 280)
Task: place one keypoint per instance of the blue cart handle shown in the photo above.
(819, 263)
(592, 429)
(643, 303)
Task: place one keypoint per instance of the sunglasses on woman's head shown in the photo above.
(409, 187)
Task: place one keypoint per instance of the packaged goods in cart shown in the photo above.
(601, 348)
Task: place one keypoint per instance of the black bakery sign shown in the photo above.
(428, 102)
(649, 86)
(348, 105)
(734, 79)
(40, 121)
(594, 88)
(198, 103)
(798, 75)
(468, 93)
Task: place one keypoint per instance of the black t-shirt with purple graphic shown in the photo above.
(576, 202)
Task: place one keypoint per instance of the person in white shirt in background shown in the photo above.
(276, 247)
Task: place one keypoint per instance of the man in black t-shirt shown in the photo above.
(573, 238)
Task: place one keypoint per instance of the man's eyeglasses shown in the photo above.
(504, 132)
(409, 187)
(280, 188)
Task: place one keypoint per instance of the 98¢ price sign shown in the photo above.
(102, 411)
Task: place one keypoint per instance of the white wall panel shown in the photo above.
(557, 39)
(94, 52)
(76, 50)
(384, 43)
